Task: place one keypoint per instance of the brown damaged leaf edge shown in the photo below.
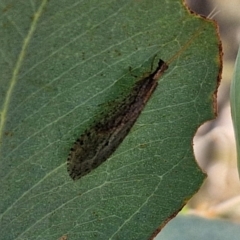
(220, 56)
(159, 229)
(98, 142)
(219, 77)
(214, 100)
(156, 232)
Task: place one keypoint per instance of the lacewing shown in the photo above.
(98, 142)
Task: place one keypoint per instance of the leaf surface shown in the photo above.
(63, 61)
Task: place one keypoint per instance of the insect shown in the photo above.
(99, 141)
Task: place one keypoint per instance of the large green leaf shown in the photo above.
(61, 61)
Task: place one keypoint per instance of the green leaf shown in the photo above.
(62, 61)
(193, 227)
(235, 104)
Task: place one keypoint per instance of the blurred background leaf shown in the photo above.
(193, 227)
(235, 105)
(60, 62)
